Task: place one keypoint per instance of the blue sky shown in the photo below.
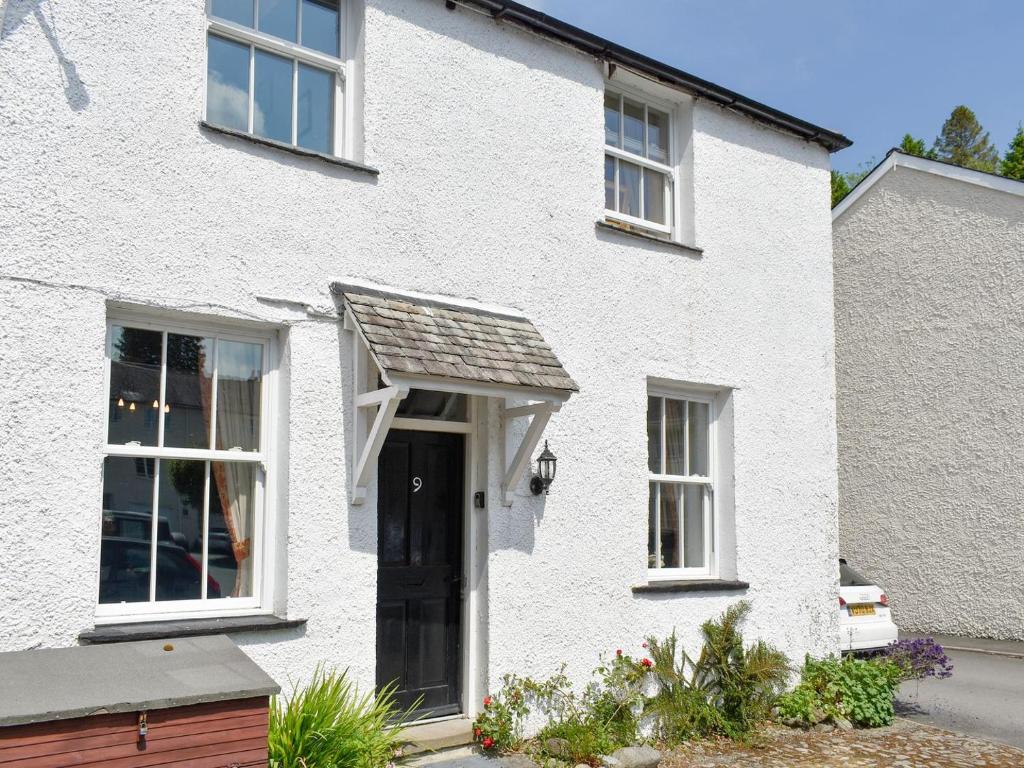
(872, 69)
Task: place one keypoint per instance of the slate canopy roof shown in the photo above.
(427, 337)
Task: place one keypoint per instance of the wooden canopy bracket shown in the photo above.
(541, 413)
(368, 438)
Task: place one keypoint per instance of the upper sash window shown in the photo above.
(274, 70)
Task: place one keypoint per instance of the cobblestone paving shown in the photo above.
(904, 745)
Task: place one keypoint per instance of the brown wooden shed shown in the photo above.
(198, 702)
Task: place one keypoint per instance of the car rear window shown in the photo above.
(848, 577)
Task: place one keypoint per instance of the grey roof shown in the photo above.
(434, 338)
(62, 683)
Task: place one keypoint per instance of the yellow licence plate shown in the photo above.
(862, 609)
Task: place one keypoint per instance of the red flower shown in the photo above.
(618, 652)
(488, 701)
(647, 662)
(477, 732)
(643, 645)
(488, 742)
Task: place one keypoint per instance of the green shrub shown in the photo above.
(597, 721)
(500, 725)
(861, 691)
(728, 690)
(328, 724)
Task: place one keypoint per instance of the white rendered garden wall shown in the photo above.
(489, 142)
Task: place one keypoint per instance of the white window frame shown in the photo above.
(338, 66)
(670, 169)
(263, 531)
(708, 482)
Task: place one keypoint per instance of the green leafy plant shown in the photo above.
(328, 724)
(861, 691)
(580, 726)
(728, 690)
(500, 725)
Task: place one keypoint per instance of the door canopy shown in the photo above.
(415, 341)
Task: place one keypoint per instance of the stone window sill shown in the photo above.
(158, 630)
(350, 164)
(609, 226)
(690, 585)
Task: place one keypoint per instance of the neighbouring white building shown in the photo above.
(929, 291)
(294, 293)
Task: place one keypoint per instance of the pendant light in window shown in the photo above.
(120, 402)
(131, 406)
(156, 403)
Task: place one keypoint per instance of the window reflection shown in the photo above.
(316, 109)
(227, 83)
(272, 105)
(135, 356)
(239, 386)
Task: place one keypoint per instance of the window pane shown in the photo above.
(189, 392)
(227, 83)
(239, 386)
(611, 119)
(316, 109)
(633, 127)
(272, 109)
(669, 525)
(609, 183)
(699, 458)
(134, 385)
(652, 526)
(675, 424)
(693, 526)
(232, 501)
(238, 11)
(320, 26)
(427, 404)
(629, 189)
(279, 18)
(654, 196)
(125, 550)
(654, 434)
(657, 136)
(179, 540)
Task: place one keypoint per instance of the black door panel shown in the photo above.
(419, 574)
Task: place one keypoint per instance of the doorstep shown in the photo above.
(438, 735)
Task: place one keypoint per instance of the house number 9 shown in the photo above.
(416, 484)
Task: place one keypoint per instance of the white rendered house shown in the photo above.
(929, 327)
(295, 293)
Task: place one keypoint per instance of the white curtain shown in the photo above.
(238, 409)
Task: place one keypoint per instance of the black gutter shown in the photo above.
(548, 26)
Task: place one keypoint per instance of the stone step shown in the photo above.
(439, 735)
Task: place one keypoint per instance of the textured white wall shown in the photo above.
(929, 285)
(489, 143)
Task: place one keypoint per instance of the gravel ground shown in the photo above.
(904, 745)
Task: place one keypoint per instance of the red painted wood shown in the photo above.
(215, 735)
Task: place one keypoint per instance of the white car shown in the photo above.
(865, 622)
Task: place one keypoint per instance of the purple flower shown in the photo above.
(919, 659)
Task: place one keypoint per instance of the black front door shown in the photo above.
(419, 569)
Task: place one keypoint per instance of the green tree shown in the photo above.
(964, 142)
(1013, 162)
(840, 188)
(913, 146)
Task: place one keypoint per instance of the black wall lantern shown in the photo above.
(545, 472)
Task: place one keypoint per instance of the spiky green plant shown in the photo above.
(741, 682)
(727, 690)
(329, 724)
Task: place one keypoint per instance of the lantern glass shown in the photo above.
(546, 464)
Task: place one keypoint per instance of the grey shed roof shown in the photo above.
(434, 338)
(62, 683)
